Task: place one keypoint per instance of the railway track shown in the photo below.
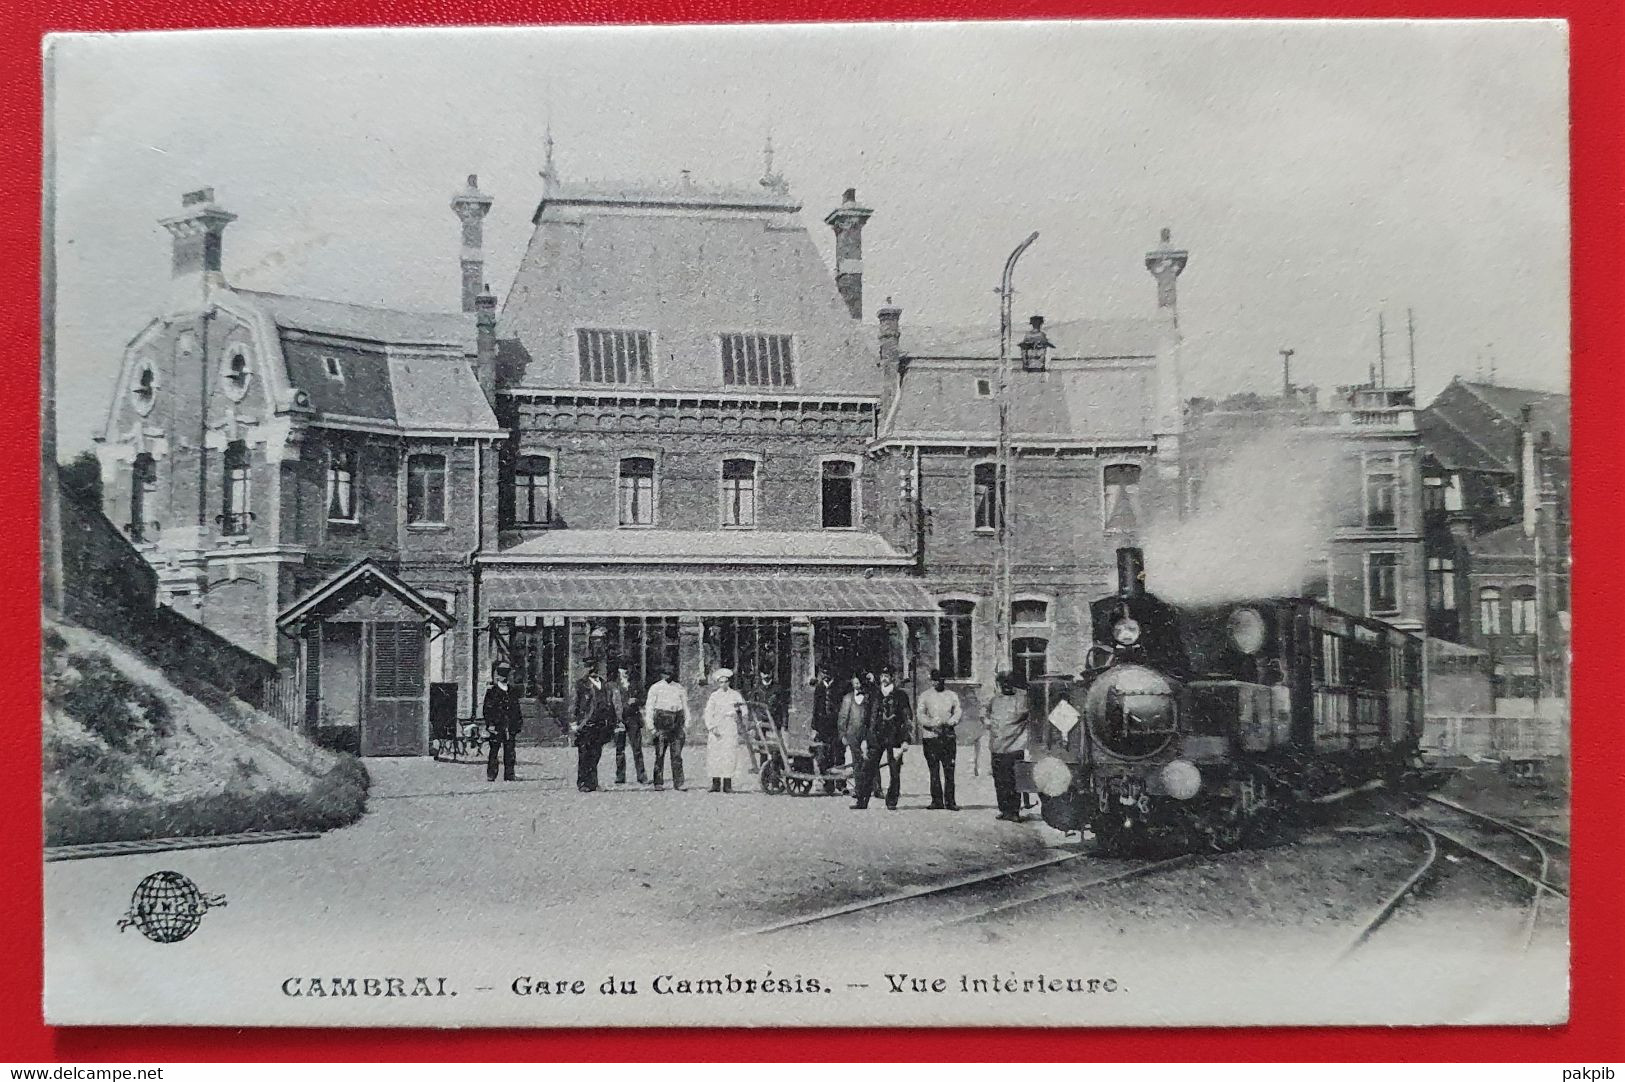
(1533, 861)
(996, 885)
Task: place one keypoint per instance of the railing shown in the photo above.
(284, 699)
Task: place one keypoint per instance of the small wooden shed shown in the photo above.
(364, 636)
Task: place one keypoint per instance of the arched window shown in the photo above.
(531, 491)
(234, 376)
(143, 484)
(1489, 611)
(144, 391)
(426, 489)
(341, 483)
(1029, 659)
(739, 492)
(987, 495)
(955, 639)
(235, 511)
(1029, 612)
(637, 491)
(838, 494)
(1121, 489)
(1524, 618)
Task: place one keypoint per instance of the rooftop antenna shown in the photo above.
(771, 180)
(1286, 372)
(1382, 351)
(1410, 332)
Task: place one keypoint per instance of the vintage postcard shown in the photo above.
(1025, 524)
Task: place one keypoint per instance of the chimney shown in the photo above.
(197, 233)
(485, 339)
(1130, 572)
(847, 221)
(1165, 262)
(892, 363)
(471, 206)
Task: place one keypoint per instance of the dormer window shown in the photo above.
(144, 392)
(758, 360)
(332, 367)
(607, 356)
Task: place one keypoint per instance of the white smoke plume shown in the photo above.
(1265, 520)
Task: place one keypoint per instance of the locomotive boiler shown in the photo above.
(1196, 725)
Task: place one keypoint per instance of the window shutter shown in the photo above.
(397, 660)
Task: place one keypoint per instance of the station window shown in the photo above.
(1029, 659)
(839, 494)
(1381, 495)
(637, 491)
(531, 491)
(143, 486)
(955, 638)
(739, 492)
(987, 495)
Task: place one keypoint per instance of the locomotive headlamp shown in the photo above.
(1051, 776)
(1247, 630)
(1181, 779)
(1126, 632)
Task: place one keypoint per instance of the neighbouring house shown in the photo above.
(258, 445)
(1495, 477)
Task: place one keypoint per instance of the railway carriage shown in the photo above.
(1203, 723)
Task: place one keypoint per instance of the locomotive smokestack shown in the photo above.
(1130, 572)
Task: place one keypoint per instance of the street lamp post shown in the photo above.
(1001, 469)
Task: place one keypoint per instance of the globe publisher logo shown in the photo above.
(167, 907)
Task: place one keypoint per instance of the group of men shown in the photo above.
(870, 721)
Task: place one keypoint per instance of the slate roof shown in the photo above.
(688, 265)
(1100, 403)
(1474, 426)
(1506, 541)
(1451, 448)
(806, 547)
(1099, 384)
(392, 326)
(436, 392)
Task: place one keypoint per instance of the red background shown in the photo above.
(1595, 1032)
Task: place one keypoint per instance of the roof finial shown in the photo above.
(772, 181)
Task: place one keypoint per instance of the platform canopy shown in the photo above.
(362, 581)
(517, 592)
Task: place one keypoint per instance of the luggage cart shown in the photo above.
(786, 760)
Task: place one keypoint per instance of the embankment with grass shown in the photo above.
(133, 751)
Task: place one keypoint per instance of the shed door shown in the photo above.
(340, 676)
(396, 718)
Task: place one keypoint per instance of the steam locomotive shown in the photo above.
(1199, 725)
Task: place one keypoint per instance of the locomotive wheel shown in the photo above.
(772, 778)
(798, 786)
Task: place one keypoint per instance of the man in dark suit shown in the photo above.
(501, 714)
(770, 694)
(593, 720)
(629, 729)
(891, 723)
(826, 714)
